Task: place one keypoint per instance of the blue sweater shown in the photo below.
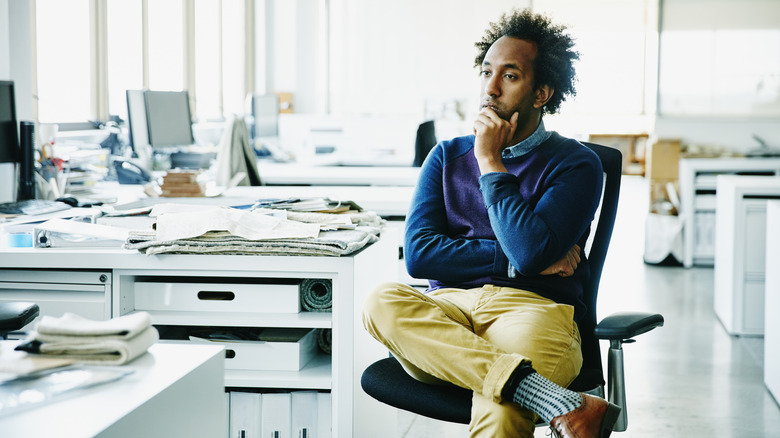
(465, 229)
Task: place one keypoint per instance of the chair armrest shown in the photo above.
(15, 315)
(626, 325)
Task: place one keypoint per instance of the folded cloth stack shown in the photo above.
(112, 342)
(329, 243)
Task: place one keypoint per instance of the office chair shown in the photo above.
(386, 381)
(426, 140)
(15, 315)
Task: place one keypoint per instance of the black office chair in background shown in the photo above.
(15, 315)
(426, 140)
(386, 380)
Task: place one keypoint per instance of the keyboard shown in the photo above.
(32, 207)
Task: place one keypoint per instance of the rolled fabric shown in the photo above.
(325, 340)
(317, 295)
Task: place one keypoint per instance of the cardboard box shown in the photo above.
(663, 159)
(664, 196)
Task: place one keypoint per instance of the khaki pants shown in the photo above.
(475, 338)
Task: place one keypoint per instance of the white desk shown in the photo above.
(772, 301)
(740, 250)
(175, 390)
(386, 201)
(273, 173)
(697, 198)
(354, 412)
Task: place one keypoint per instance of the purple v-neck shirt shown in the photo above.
(465, 229)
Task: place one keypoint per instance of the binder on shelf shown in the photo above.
(324, 415)
(226, 414)
(304, 414)
(276, 415)
(245, 414)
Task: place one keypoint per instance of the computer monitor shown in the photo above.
(265, 111)
(168, 119)
(9, 135)
(136, 119)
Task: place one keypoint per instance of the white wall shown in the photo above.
(21, 56)
(7, 185)
(711, 93)
(5, 60)
(392, 57)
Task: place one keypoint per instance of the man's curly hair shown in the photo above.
(554, 63)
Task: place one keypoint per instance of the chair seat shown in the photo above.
(388, 382)
(15, 315)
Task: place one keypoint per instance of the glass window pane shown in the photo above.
(208, 105)
(233, 61)
(63, 61)
(125, 53)
(166, 45)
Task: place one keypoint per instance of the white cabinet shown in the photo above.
(772, 301)
(86, 293)
(353, 413)
(740, 251)
(698, 187)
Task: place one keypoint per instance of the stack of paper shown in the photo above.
(323, 205)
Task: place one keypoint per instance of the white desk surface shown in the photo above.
(161, 391)
(384, 200)
(275, 173)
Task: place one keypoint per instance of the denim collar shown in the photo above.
(525, 146)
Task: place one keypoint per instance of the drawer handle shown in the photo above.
(230, 354)
(208, 295)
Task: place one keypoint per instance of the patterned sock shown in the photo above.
(542, 396)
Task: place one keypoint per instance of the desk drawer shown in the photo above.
(216, 297)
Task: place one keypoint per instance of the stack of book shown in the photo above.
(182, 183)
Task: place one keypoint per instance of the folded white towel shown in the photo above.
(69, 324)
(114, 341)
(98, 350)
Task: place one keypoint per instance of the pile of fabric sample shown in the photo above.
(111, 342)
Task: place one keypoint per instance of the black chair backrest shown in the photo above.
(426, 140)
(611, 162)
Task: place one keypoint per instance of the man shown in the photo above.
(496, 223)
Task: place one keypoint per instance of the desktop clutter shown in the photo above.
(277, 226)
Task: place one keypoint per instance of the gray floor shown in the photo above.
(687, 379)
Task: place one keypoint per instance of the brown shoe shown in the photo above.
(594, 418)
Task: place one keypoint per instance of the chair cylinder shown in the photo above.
(617, 388)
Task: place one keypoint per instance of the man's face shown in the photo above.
(507, 80)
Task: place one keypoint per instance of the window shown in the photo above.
(166, 45)
(125, 56)
(197, 46)
(64, 73)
